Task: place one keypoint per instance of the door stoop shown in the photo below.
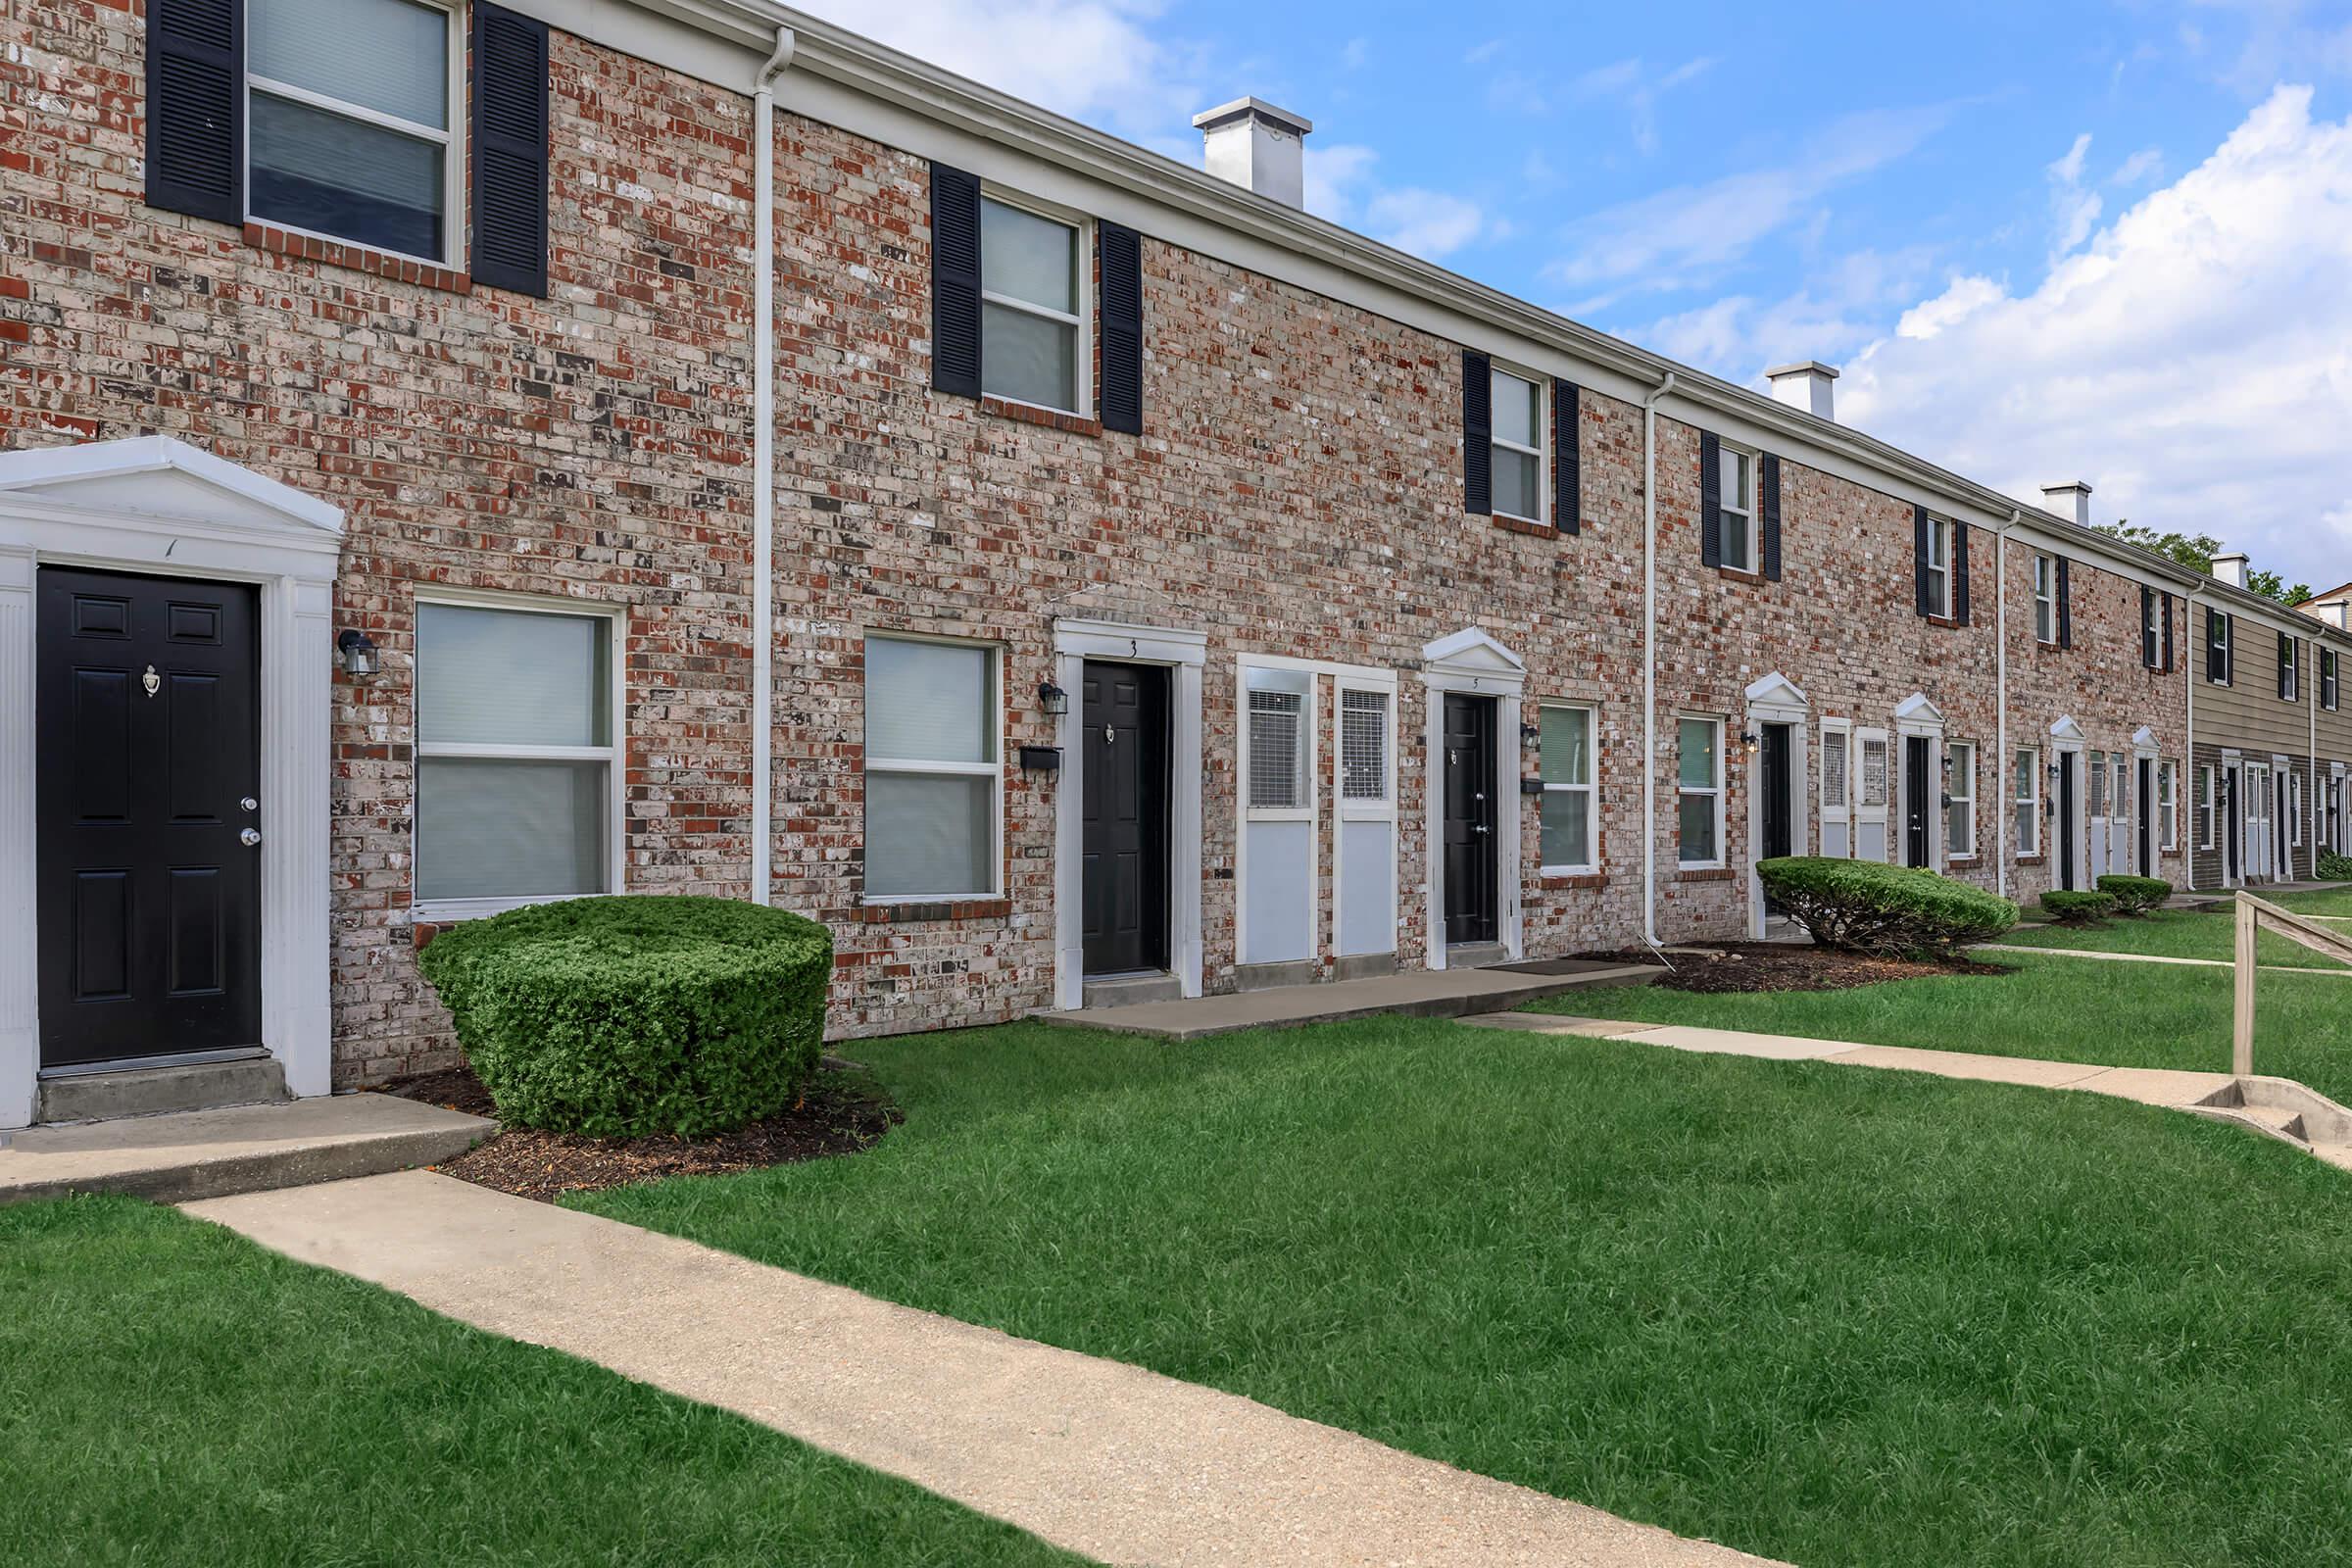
(150, 1090)
(1476, 954)
(1131, 991)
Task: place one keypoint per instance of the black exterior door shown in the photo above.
(2066, 820)
(1126, 707)
(150, 902)
(1779, 758)
(1470, 817)
(2230, 819)
(2148, 818)
(1918, 803)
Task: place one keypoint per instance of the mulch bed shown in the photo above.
(1744, 967)
(842, 1112)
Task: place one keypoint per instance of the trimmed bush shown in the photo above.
(1863, 907)
(2334, 868)
(2135, 895)
(623, 1016)
(2077, 907)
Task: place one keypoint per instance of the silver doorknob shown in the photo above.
(250, 804)
(249, 837)
(1481, 828)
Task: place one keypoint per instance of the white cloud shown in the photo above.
(2073, 209)
(2194, 360)
(1839, 310)
(1354, 53)
(1340, 187)
(2138, 169)
(1632, 83)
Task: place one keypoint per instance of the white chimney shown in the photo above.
(2231, 569)
(1257, 146)
(1805, 386)
(2071, 501)
(2336, 613)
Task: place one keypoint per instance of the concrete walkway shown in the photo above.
(1413, 993)
(1105, 1459)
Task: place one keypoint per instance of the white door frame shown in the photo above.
(2145, 750)
(157, 506)
(1185, 653)
(2231, 780)
(1778, 700)
(2067, 739)
(1474, 665)
(1917, 718)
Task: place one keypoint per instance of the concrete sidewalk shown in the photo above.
(1103, 1459)
(1409, 993)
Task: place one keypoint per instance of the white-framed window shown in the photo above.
(2220, 647)
(2294, 809)
(1280, 743)
(1873, 795)
(518, 754)
(1960, 818)
(1035, 289)
(1568, 740)
(1738, 484)
(2151, 629)
(2290, 668)
(2098, 768)
(2204, 806)
(1837, 788)
(1517, 434)
(1698, 784)
(2024, 799)
(2329, 691)
(1367, 753)
(2168, 801)
(1940, 565)
(934, 769)
(2046, 598)
(350, 115)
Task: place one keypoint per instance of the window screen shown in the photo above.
(1277, 749)
(1833, 769)
(1363, 745)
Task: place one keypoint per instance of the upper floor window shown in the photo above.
(1739, 509)
(349, 113)
(2045, 598)
(1033, 343)
(1517, 437)
(2152, 617)
(2218, 646)
(2327, 683)
(2290, 668)
(1935, 583)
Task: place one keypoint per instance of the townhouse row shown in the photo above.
(460, 455)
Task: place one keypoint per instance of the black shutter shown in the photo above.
(510, 151)
(195, 120)
(1960, 571)
(1121, 254)
(1768, 479)
(1920, 529)
(2066, 605)
(1568, 459)
(955, 282)
(1710, 500)
(2147, 630)
(1478, 434)
(2168, 633)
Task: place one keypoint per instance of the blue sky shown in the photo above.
(2101, 240)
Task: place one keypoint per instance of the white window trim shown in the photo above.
(2207, 810)
(1540, 450)
(456, 220)
(1590, 789)
(994, 771)
(445, 912)
(2045, 598)
(1311, 786)
(2290, 666)
(2227, 624)
(2031, 798)
(1942, 533)
(1842, 815)
(1357, 809)
(2168, 803)
(1717, 790)
(2330, 679)
(1960, 776)
(1882, 816)
(1747, 512)
(1083, 381)
(1346, 678)
(2294, 807)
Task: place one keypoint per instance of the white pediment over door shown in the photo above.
(1776, 691)
(1472, 655)
(158, 477)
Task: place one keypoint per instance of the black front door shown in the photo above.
(1918, 803)
(2066, 820)
(150, 906)
(1470, 817)
(2229, 823)
(1779, 758)
(1126, 707)
(2148, 818)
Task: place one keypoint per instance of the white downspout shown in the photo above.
(2188, 763)
(2001, 762)
(2311, 701)
(764, 464)
(1649, 659)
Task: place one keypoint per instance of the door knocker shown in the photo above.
(151, 680)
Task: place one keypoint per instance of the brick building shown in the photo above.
(1100, 577)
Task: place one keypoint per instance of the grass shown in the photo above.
(2175, 934)
(2064, 1010)
(170, 1393)
(1829, 1315)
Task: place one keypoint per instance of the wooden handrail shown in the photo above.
(2254, 915)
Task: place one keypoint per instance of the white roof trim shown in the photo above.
(1777, 690)
(2066, 730)
(1472, 652)
(1916, 708)
(89, 474)
(2144, 736)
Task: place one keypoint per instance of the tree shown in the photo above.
(2197, 551)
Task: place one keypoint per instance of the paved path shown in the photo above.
(1103, 1459)
(1412, 993)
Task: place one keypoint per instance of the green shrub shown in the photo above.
(2334, 868)
(2077, 907)
(2135, 895)
(1863, 907)
(621, 1016)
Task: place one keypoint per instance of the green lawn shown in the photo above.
(2065, 1009)
(1829, 1315)
(2175, 934)
(172, 1394)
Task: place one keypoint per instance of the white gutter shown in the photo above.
(1649, 659)
(2188, 763)
(2001, 762)
(764, 464)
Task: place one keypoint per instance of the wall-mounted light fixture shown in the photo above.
(1529, 734)
(1747, 739)
(1053, 699)
(358, 655)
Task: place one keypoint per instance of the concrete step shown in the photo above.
(160, 1091)
(1476, 956)
(190, 1155)
(1131, 991)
